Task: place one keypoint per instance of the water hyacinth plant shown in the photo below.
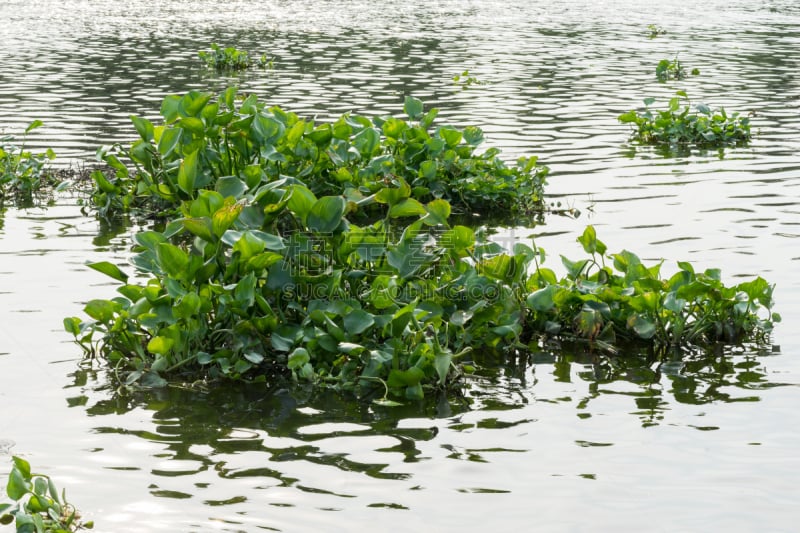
(37, 505)
(237, 145)
(703, 126)
(22, 172)
(326, 253)
(230, 58)
(654, 31)
(281, 283)
(672, 70)
(466, 80)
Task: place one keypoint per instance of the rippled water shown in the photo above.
(553, 443)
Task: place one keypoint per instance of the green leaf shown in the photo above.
(393, 195)
(231, 186)
(51, 488)
(17, 485)
(405, 378)
(301, 201)
(170, 107)
(298, 358)
(500, 267)
(72, 325)
(160, 345)
(644, 327)
(590, 243)
(321, 135)
(168, 141)
(451, 136)
(326, 214)
(628, 117)
(407, 207)
(415, 392)
(413, 107)
(224, 218)
(187, 174)
(459, 238)
(358, 321)
(143, 127)
(247, 245)
(473, 135)
(109, 269)
(438, 212)
(200, 227)
(192, 124)
(254, 357)
(393, 128)
(542, 300)
(384, 402)
(153, 380)
(244, 293)
(426, 121)
(172, 260)
(673, 303)
(367, 141)
(100, 310)
(442, 365)
(102, 183)
(149, 239)
(23, 466)
(33, 125)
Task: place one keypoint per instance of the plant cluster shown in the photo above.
(281, 282)
(465, 80)
(672, 70)
(230, 58)
(237, 145)
(655, 30)
(23, 173)
(326, 253)
(703, 126)
(37, 507)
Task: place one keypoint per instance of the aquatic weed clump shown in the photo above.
(281, 283)
(236, 145)
(22, 172)
(701, 126)
(37, 505)
(231, 58)
(673, 70)
(326, 253)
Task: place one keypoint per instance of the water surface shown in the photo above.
(556, 441)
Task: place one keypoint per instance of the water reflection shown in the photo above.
(258, 433)
(656, 383)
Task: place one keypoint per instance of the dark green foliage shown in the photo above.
(235, 146)
(703, 126)
(632, 301)
(37, 507)
(230, 58)
(264, 273)
(387, 305)
(670, 70)
(23, 173)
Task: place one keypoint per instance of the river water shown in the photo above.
(558, 442)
